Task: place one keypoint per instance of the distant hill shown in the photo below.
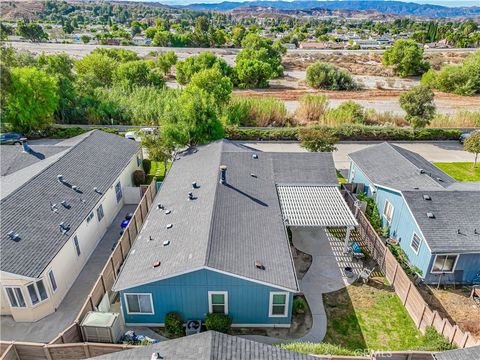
(391, 7)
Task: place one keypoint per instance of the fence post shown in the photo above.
(455, 329)
(46, 350)
(421, 316)
(113, 267)
(394, 275)
(408, 292)
(435, 313)
(87, 351)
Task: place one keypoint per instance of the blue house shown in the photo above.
(216, 241)
(435, 219)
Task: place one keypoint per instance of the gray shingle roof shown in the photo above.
(400, 169)
(209, 345)
(96, 161)
(227, 227)
(453, 211)
(13, 158)
(472, 353)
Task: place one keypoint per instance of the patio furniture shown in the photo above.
(365, 274)
(357, 252)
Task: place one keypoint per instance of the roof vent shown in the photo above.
(458, 231)
(194, 185)
(160, 206)
(65, 204)
(82, 200)
(223, 174)
(60, 178)
(430, 215)
(254, 156)
(13, 235)
(53, 207)
(166, 243)
(150, 238)
(190, 196)
(156, 264)
(96, 190)
(422, 171)
(259, 265)
(63, 228)
(167, 212)
(169, 226)
(426, 197)
(415, 188)
(156, 356)
(439, 179)
(253, 175)
(75, 188)
(475, 231)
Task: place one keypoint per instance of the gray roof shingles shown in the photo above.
(209, 345)
(471, 353)
(453, 211)
(14, 159)
(392, 166)
(227, 227)
(96, 161)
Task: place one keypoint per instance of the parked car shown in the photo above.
(11, 138)
(464, 137)
(137, 135)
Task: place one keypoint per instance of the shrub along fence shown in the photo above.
(417, 307)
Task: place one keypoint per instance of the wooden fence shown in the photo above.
(111, 269)
(417, 307)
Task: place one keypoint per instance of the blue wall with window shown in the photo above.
(248, 302)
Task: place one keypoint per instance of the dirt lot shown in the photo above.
(455, 305)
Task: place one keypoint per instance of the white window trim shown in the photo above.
(210, 305)
(50, 281)
(139, 313)
(457, 256)
(38, 292)
(270, 306)
(419, 244)
(16, 298)
(385, 208)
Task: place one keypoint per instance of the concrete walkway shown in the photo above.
(49, 327)
(325, 274)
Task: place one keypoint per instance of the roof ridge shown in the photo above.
(67, 151)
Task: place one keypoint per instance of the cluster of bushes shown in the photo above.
(218, 322)
(371, 211)
(345, 132)
(174, 324)
(326, 76)
(299, 305)
(461, 119)
(463, 79)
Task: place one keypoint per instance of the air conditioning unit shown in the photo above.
(101, 327)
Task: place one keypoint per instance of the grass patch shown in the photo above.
(317, 349)
(252, 111)
(460, 171)
(341, 178)
(157, 169)
(370, 317)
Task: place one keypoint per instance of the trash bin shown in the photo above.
(348, 272)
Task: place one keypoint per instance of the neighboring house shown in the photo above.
(435, 219)
(217, 242)
(471, 353)
(210, 345)
(57, 202)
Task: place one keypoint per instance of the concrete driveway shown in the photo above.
(441, 151)
(49, 327)
(324, 275)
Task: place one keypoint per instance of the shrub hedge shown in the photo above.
(218, 322)
(174, 324)
(346, 132)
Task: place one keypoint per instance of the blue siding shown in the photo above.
(355, 175)
(402, 228)
(248, 302)
(467, 267)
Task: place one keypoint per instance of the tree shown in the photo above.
(318, 139)
(321, 75)
(136, 73)
(192, 119)
(32, 99)
(419, 105)
(472, 145)
(31, 31)
(85, 39)
(95, 69)
(5, 31)
(214, 83)
(159, 149)
(206, 60)
(161, 38)
(406, 57)
(252, 73)
(166, 60)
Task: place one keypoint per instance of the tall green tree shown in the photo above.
(214, 83)
(137, 73)
(94, 70)
(166, 60)
(31, 31)
(419, 105)
(406, 57)
(472, 145)
(206, 60)
(31, 100)
(159, 148)
(318, 139)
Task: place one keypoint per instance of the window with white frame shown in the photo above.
(100, 213)
(139, 303)
(77, 245)
(15, 296)
(90, 217)
(53, 282)
(218, 302)
(415, 243)
(37, 292)
(118, 191)
(278, 304)
(444, 263)
(388, 211)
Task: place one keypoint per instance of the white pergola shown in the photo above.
(316, 206)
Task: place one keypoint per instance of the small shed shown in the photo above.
(103, 327)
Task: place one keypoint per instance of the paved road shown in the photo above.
(435, 151)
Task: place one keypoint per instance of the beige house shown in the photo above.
(57, 202)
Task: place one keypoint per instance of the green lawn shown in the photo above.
(341, 179)
(461, 171)
(156, 170)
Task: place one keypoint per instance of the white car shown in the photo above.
(137, 135)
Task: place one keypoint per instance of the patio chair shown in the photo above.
(357, 252)
(365, 274)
